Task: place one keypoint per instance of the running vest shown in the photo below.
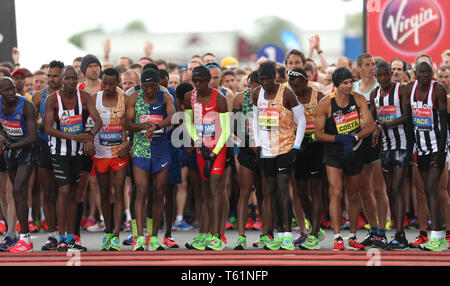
(343, 120)
(310, 116)
(425, 121)
(276, 125)
(366, 94)
(144, 112)
(206, 119)
(42, 133)
(68, 120)
(112, 136)
(388, 109)
(14, 125)
(89, 122)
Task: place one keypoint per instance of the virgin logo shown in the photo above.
(410, 25)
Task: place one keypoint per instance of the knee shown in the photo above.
(335, 194)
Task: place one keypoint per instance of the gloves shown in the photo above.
(348, 141)
(206, 154)
(293, 154)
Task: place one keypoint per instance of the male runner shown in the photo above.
(111, 155)
(17, 138)
(386, 106)
(207, 123)
(309, 163)
(372, 187)
(148, 113)
(338, 124)
(64, 123)
(43, 157)
(276, 111)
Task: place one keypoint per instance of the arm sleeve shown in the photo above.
(299, 119)
(225, 124)
(255, 127)
(189, 117)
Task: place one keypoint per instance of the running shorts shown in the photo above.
(43, 155)
(174, 176)
(393, 159)
(371, 155)
(67, 170)
(3, 163)
(309, 162)
(351, 166)
(247, 158)
(154, 164)
(219, 163)
(280, 164)
(105, 165)
(188, 160)
(425, 162)
(18, 157)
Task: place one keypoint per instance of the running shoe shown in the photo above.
(229, 225)
(241, 244)
(125, 226)
(43, 225)
(18, 227)
(77, 239)
(321, 234)
(249, 223)
(106, 242)
(51, 244)
(338, 244)
(215, 243)
(257, 225)
(370, 240)
(62, 246)
(203, 242)
(275, 244)
(300, 239)
(388, 224)
(434, 244)
(115, 244)
(447, 237)
(89, 223)
(345, 223)
(2, 227)
(139, 244)
(189, 244)
(73, 245)
(421, 239)
(354, 244)
(21, 246)
(7, 243)
(170, 242)
(381, 241)
(154, 244)
(325, 221)
(32, 228)
(398, 243)
(183, 226)
(223, 238)
(294, 224)
(307, 224)
(361, 222)
(263, 240)
(287, 244)
(100, 226)
(129, 240)
(311, 243)
(147, 240)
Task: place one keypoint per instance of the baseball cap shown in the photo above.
(229, 63)
(21, 71)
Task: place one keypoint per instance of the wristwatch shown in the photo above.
(356, 137)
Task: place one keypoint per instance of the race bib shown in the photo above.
(422, 119)
(12, 128)
(386, 113)
(347, 123)
(110, 135)
(155, 118)
(268, 119)
(206, 127)
(71, 124)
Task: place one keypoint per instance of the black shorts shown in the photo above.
(18, 157)
(3, 163)
(371, 155)
(247, 158)
(67, 170)
(393, 159)
(309, 162)
(87, 163)
(425, 162)
(230, 157)
(43, 155)
(280, 164)
(350, 166)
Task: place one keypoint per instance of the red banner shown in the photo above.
(407, 28)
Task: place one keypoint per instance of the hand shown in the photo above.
(207, 154)
(375, 137)
(15, 55)
(89, 149)
(348, 141)
(107, 47)
(148, 49)
(125, 151)
(84, 138)
(293, 154)
(149, 133)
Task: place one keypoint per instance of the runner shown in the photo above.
(277, 111)
(207, 123)
(309, 163)
(17, 138)
(338, 124)
(148, 113)
(428, 106)
(43, 155)
(111, 155)
(372, 187)
(67, 140)
(385, 105)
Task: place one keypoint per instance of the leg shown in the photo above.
(335, 194)
(141, 179)
(158, 199)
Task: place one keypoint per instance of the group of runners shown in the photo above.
(357, 147)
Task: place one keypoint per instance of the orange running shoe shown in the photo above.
(170, 242)
(338, 244)
(354, 244)
(21, 246)
(418, 241)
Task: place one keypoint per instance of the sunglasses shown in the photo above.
(212, 65)
(295, 74)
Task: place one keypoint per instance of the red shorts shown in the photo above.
(104, 165)
(218, 166)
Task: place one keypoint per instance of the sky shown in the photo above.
(44, 26)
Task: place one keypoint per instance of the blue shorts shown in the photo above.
(174, 176)
(154, 164)
(188, 160)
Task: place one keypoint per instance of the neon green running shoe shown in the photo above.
(262, 241)
(215, 243)
(154, 244)
(115, 244)
(106, 242)
(435, 244)
(189, 244)
(388, 224)
(203, 242)
(140, 244)
(275, 244)
(288, 243)
(311, 243)
(307, 224)
(321, 234)
(241, 244)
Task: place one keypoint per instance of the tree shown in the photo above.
(268, 29)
